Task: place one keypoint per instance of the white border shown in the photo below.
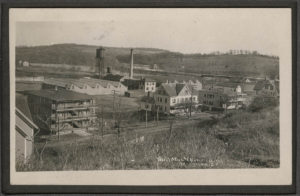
(280, 176)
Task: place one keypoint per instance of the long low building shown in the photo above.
(89, 86)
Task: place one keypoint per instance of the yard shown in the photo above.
(238, 139)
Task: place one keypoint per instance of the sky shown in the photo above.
(179, 30)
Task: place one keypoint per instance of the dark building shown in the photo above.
(212, 98)
(61, 111)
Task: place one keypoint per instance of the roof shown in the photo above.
(22, 105)
(248, 86)
(59, 95)
(213, 92)
(169, 89)
(63, 82)
(261, 84)
(113, 77)
(67, 82)
(28, 121)
(173, 89)
(148, 99)
(227, 84)
(179, 87)
(149, 80)
(93, 82)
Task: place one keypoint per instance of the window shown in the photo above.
(146, 106)
(147, 88)
(152, 88)
(174, 100)
(194, 98)
(166, 100)
(271, 87)
(204, 95)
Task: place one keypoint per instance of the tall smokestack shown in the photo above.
(131, 64)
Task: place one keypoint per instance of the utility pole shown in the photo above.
(157, 118)
(102, 125)
(191, 102)
(114, 107)
(146, 117)
(58, 127)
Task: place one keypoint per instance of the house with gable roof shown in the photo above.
(267, 88)
(169, 96)
(25, 129)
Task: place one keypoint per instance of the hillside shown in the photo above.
(118, 58)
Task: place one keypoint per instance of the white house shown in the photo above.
(148, 85)
(24, 129)
(170, 97)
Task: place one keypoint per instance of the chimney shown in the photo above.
(131, 64)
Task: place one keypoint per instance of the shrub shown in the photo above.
(260, 103)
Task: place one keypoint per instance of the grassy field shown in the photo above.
(238, 139)
(119, 58)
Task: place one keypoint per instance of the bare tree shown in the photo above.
(118, 112)
(171, 122)
(100, 121)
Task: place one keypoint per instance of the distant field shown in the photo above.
(119, 58)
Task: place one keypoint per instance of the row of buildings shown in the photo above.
(174, 96)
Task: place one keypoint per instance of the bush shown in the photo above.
(260, 103)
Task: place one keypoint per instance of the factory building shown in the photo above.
(61, 111)
(87, 86)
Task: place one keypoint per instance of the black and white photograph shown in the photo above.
(150, 90)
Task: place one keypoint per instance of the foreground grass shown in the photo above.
(240, 139)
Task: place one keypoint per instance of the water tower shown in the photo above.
(100, 61)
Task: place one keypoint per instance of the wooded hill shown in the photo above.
(252, 64)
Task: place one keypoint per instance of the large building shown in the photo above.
(148, 85)
(230, 89)
(25, 129)
(212, 98)
(267, 88)
(88, 86)
(171, 97)
(248, 88)
(62, 111)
